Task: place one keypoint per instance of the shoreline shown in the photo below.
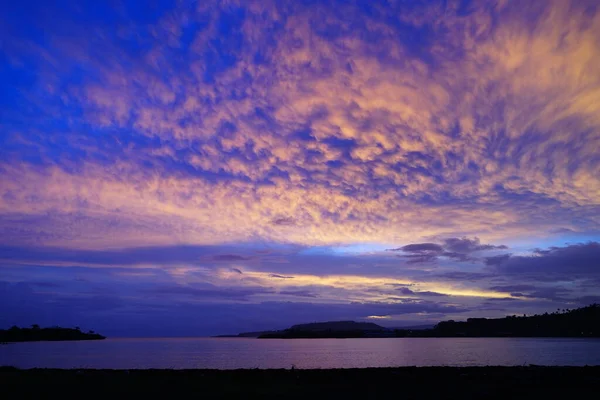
(405, 382)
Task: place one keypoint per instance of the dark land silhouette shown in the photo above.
(524, 382)
(580, 322)
(37, 334)
(336, 329)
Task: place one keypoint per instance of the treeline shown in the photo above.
(55, 333)
(581, 322)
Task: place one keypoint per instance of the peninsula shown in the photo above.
(37, 334)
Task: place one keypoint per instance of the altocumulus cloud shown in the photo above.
(195, 126)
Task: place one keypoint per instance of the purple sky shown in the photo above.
(175, 168)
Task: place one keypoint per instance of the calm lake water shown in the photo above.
(232, 353)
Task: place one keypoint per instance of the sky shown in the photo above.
(183, 168)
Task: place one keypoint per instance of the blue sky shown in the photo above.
(196, 168)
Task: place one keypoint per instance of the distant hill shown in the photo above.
(37, 334)
(332, 329)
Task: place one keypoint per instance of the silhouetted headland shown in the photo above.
(335, 329)
(581, 322)
(37, 334)
(318, 329)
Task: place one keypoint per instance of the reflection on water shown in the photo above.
(231, 353)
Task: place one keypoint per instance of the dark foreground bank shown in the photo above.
(406, 383)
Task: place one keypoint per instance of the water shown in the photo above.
(232, 353)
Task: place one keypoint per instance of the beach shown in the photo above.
(405, 383)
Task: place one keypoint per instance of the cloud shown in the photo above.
(550, 293)
(280, 276)
(559, 274)
(572, 261)
(466, 276)
(210, 292)
(504, 299)
(466, 245)
(422, 248)
(420, 258)
(46, 284)
(230, 257)
(432, 294)
(163, 255)
(284, 221)
(535, 291)
(587, 300)
(459, 249)
(512, 288)
(497, 260)
(405, 291)
(408, 292)
(298, 293)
